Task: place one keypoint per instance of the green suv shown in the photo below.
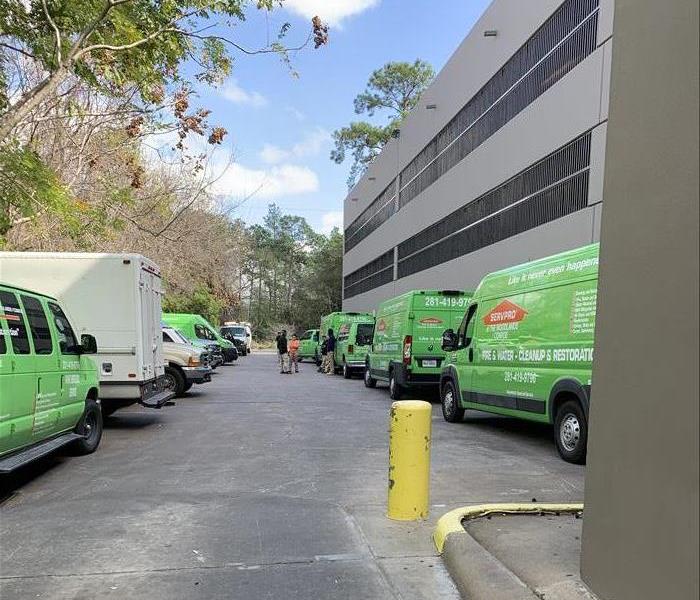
(48, 386)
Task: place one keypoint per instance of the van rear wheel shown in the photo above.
(452, 412)
(571, 432)
(347, 373)
(90, 426)
(395, 390)
(370, 381)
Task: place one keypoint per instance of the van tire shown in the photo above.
(452, 412)
(571, 432)
(90, 425)
(370, 381)
(174, 380)
(395, 390)
(188, 386)
(347, 372)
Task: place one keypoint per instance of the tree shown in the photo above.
(62, 60)
(395, 88)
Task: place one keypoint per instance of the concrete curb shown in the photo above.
(483, 576)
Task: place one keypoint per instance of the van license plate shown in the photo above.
(430, 363)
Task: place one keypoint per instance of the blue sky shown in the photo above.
(279, 125)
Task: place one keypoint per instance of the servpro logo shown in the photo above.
(430, 321)
(504, 312)
(381, 326)
(344, 328)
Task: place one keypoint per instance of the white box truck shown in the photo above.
(116, 298)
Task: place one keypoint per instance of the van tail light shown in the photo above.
(351, 348)
(407, 343)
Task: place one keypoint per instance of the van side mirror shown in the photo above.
(449, 340)
(88, 344)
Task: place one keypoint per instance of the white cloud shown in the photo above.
(238, 181)
(330, 220)
(312, 143)
(332, 12)
(236, 94)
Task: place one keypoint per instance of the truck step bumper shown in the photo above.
(23, 457)
(157, 400)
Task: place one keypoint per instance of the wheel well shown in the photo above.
(175, 366)
(559, 399)
(92, 394)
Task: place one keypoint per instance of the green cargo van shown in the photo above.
(353, 345)
(309, 346)
(406, 348)
(48, 386)
(338, 320)
(196, 327)
(525, 347)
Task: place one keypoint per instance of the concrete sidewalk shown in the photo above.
(518, 557)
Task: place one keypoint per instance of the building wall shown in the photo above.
(573, 106)
(640, 531)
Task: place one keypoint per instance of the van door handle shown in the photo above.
(471, 354)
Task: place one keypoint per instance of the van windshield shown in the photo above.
(238, 331)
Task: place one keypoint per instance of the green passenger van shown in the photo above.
(525, 347)
(340, 323)
(48, 386)
(353, 345)
(196, 327)
(309, 346)
(406, 348)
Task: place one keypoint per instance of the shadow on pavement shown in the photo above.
(9, 484)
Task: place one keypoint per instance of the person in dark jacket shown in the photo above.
(282, 351)
(330, 352)
(324, 351)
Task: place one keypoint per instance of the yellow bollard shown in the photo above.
(409, 460)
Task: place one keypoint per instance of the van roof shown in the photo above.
(82, 256)
(21, 289)
(580, 263)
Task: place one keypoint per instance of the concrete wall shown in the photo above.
(640, 535)
(576, 104)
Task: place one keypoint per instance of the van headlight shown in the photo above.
(193, 361)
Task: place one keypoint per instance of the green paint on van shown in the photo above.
(47, 383)
(525, 347)
(309, 346)
(406, 349)
(196, 327)
(341, 324)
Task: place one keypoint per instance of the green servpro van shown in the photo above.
(406, 350)
(48, 385)
(338, 321)
(525, 347)
(196, 327)
(309, 346)
(353, 345)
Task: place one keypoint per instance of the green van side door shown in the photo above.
(19, 386)
(47, 406)
(463, 358)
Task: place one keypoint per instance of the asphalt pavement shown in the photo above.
(258, 486)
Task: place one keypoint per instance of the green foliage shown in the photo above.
(30, 187)
(294, 274)
(396, 88)
(200, 302)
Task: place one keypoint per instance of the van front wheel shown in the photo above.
(174, 381)
(451, 410)
(571, 432)
(90, 427)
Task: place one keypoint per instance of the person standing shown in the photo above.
(324, 351)
(294, 353)
(282, 350)
(330, 353)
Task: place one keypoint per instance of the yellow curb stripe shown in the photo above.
(451, 522)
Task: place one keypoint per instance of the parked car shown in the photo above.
(196, 327)
(334, 321)
(240, 332)
(116, 297)
(211, 352)
(49, 383)
(525, 347)
(185, 365)
(353, 345)
(406, 348)
(309, 346)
